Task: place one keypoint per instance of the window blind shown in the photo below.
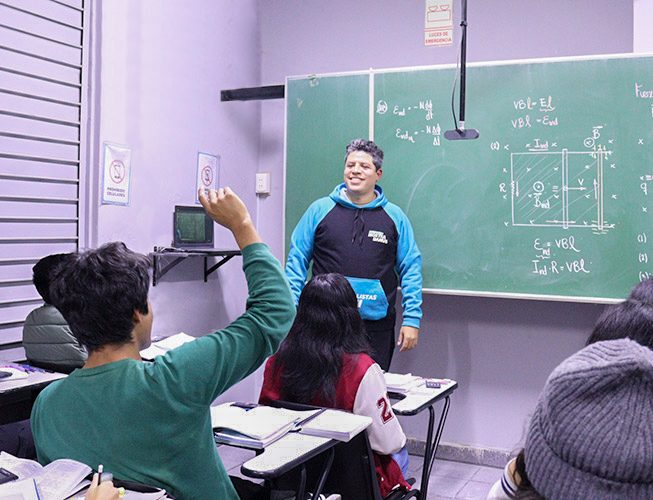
(42, 101)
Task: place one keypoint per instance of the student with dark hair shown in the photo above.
(150, 422)
(47, 338)
(48, 343)
(629, 319)
(325, 361)
(643, 292)
(589, 436)
(513, 482)
(632, 318)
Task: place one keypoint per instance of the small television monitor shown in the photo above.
(192, 228)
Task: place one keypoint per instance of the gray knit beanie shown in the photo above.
(591, 435)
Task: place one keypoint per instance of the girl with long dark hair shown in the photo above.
(325, 361)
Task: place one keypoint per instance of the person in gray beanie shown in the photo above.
(591, 434)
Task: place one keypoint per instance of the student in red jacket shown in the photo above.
(325, 361)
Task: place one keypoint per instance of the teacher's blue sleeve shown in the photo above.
(301, 245)
(408, 266)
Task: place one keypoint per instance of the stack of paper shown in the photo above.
(163, 346)
(402, 383)
(421, 395)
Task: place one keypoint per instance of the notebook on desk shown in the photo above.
(192, 229)
(254, 426)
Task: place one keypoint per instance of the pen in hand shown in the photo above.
(100, 469)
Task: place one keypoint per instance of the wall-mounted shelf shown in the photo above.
(169, 259)
(254, 93)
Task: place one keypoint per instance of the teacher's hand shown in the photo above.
(408, 336)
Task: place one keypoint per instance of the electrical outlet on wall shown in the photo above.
(263, 183)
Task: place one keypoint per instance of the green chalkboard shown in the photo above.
(552, 201)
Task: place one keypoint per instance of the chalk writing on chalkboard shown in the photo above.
(554, 200)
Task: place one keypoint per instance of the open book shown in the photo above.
(63, 478)
(335, 424)
(59, 479)
(163, 346)
(255, 427)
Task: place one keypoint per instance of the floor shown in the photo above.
(448, 479)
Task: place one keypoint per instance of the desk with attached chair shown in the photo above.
(346, 469)
(417, 400)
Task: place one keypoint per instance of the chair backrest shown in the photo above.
(352, 474)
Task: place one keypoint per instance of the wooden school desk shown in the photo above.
(414, 402)
(17, 396)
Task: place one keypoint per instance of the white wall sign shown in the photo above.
(208, 170)
(117, 174)
(438, 22)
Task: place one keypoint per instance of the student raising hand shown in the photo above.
(227, 209)
(102, 491)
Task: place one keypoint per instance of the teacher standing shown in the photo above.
(357, 232)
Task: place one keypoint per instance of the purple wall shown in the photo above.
(643, 20)
(500, 350)
(163, 64)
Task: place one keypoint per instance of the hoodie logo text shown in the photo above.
(378, 237)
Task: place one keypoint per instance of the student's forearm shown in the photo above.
(245, 234)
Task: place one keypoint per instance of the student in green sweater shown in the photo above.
(150, 422)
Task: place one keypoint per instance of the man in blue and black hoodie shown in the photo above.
(357, 232)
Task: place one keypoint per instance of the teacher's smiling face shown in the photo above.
(361, 176)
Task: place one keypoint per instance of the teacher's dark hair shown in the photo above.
(368, 147)
(327, 326)
(99, 292)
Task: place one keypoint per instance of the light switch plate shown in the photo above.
(263, 183)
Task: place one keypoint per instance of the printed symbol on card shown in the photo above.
(117, 171)
(207, 176)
